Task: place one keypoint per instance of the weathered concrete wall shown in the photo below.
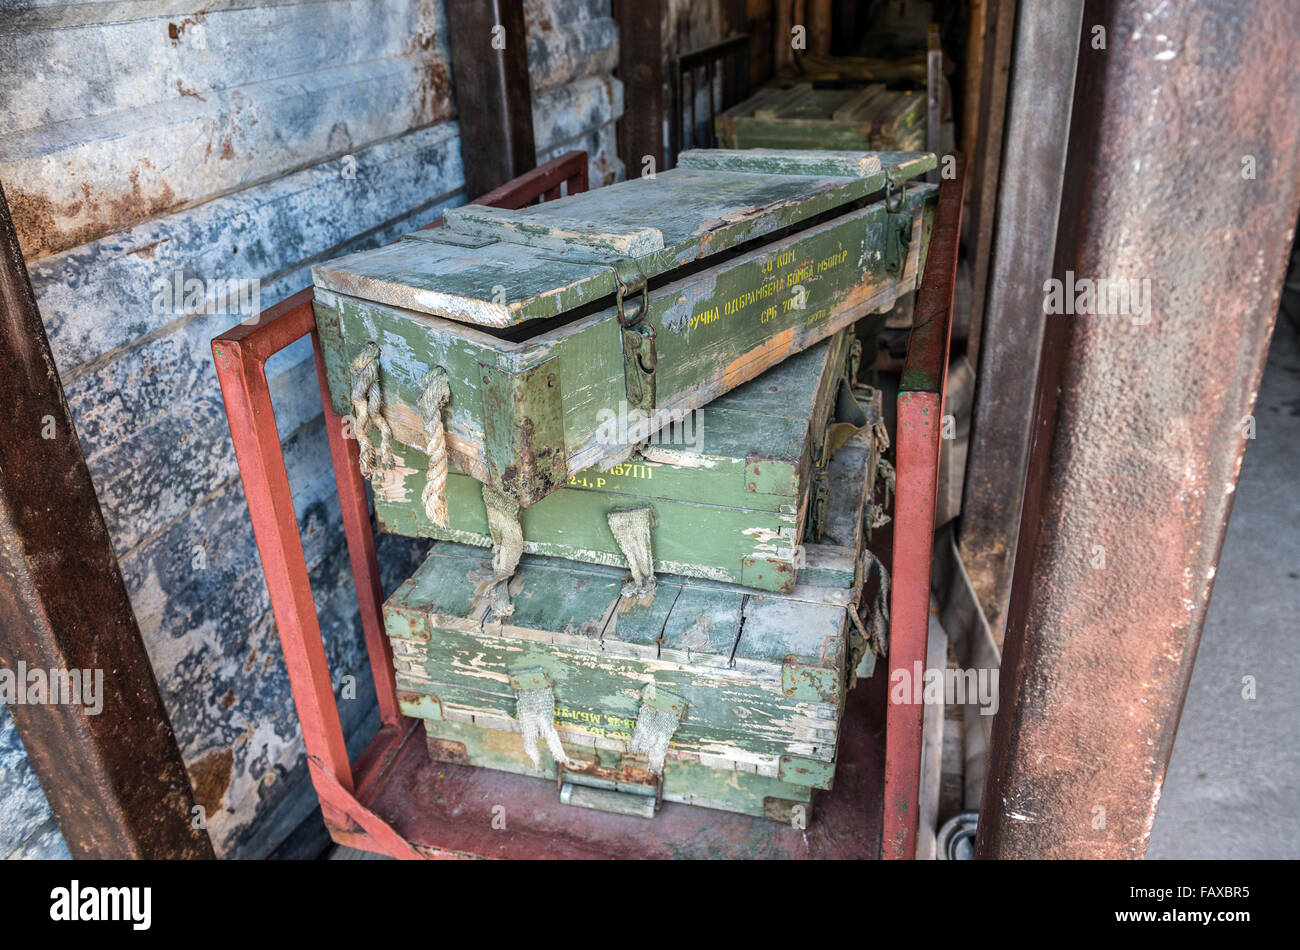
(142, 141)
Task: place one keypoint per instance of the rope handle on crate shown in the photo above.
(368, 409)
(435, 393)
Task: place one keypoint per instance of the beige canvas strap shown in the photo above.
(434, 395)
(660, 714)
(631, 529)
(884, 473)
(535, 710)
(886, 476)
(507, 547)
(368, 409)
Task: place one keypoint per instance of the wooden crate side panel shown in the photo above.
(727, 708)
(573, 524)
(685, 781)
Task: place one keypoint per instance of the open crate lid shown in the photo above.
(497, 267)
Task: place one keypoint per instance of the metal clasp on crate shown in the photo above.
(639, 356)
(624, 789)
(898, 225)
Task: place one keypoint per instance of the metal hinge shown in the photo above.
(818, 504)
(639, 356)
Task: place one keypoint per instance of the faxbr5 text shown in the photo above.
(1204, 890)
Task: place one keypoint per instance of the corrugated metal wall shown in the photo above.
(140, 142)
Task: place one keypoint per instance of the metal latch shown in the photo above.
(639, 356)
(898, 226)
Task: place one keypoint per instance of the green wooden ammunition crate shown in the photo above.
(732, 499)
(753, 683)
(518, 332)
(808, 116)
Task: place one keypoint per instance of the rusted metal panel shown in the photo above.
(1038, 125)
(493, 95)
(106, 756)
(933, 94)
(569, 40)
(91, 151)
(919, 431)
(999, 32)
(1142, 416)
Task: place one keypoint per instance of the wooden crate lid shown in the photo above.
(873, 106)
(497, 267)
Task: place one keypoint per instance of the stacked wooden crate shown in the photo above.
(806, 115)
(628, 414)
(840, 103)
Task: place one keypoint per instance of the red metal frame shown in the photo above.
(919, 436)
(240, 357)
(393, 799)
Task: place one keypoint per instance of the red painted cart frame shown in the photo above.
(393, 799)
(918, 440)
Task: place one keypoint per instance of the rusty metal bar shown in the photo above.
(920, 411)
(240, 356)
(644, 76)
(114, 779)
(543, 182)
(568, 170)
(1000, 20)
(1182, 171)
(706, 59)
(1037, 129)
(494, 107)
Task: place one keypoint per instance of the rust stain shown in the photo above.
(433, 102)
(445, 750)
(46, 227)
(176, 30)
(186, 91)
(210, 776)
